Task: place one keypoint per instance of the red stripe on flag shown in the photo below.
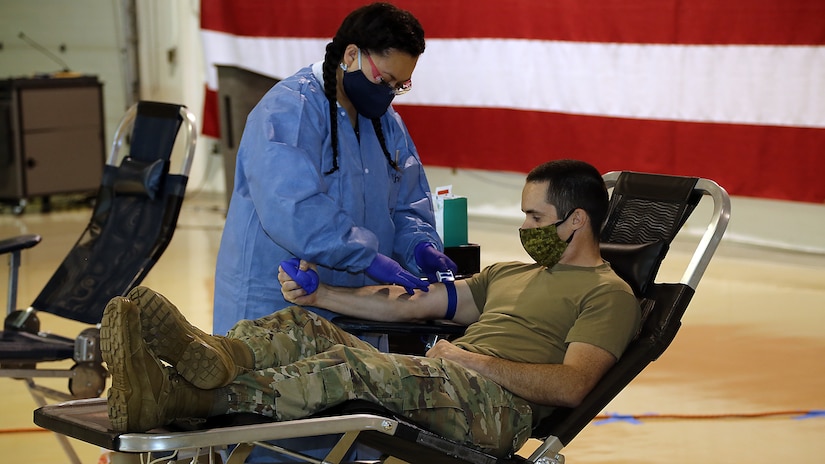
(756, 22)
(210, 125)
(780, 162)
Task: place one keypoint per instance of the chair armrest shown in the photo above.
(14, 246)
(20, 242)
(361, 326)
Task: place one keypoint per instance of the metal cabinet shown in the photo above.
(51, 137)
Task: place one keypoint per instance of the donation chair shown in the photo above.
(132, 222)
(646, 212)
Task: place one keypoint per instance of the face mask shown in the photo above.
(369, 99)
(543, 244)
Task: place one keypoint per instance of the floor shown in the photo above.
(744, 381)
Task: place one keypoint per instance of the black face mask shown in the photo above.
(371, 100)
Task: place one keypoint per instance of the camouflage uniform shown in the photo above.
(305, 364)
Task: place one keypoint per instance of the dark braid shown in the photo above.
(375, 27)
(379, 131)
(330, 69)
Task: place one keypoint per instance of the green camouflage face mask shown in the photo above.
(543, 244)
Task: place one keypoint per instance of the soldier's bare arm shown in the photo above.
(384, 302)
(563, 384)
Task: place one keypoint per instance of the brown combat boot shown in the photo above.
(207, 361)
(144, 394)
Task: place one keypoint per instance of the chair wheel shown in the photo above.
(22, 321)
(88, 380)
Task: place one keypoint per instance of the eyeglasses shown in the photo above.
(399, 89)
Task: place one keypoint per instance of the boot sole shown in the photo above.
(174, 340)
(116, 347)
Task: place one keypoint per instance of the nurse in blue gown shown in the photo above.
(326, 172)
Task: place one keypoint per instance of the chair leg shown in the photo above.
(240, 453)
(14, 269)
(67, 448)
(341, 448)
(40, 399)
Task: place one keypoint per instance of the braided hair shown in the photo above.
(376, 27)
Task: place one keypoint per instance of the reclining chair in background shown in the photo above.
(132, 223)
(646, 212)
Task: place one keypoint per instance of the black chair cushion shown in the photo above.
(637, 264)
(139, 178)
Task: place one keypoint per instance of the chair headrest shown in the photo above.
(636, 264)
(138, 177)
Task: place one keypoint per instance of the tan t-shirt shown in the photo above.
(530, 313)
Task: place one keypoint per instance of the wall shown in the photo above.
(89, 30)
(96, 37)
(172, 69)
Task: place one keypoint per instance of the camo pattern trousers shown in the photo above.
(305, 364)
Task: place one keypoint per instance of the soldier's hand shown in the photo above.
(293, 291)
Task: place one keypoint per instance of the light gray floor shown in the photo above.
(752, 343)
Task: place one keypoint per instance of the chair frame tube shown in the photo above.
(124, 128)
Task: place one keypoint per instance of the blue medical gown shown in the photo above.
(284, 205)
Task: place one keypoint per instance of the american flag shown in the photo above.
(731, 90)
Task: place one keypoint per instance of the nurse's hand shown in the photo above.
(432, 262)
(384, 269)
(298, 286)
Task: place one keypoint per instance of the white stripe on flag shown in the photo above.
(763, 85)
(276, 56)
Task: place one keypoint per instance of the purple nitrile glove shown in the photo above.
(308, 280)
(384, 269)
(432, 262)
